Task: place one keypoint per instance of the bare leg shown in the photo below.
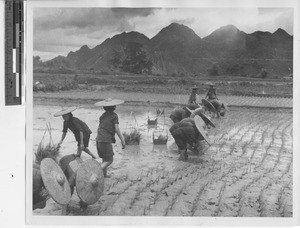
(88, 152)
(105, 164)
(79, 151)
(183, 155)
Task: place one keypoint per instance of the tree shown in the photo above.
(214, 70)
(136, 60)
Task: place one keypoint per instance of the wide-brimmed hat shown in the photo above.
(65, 111)
(55, 181)
(89, 181)
(208, 105)
(109, 102)
(199, 123)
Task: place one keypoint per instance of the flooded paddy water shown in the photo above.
(247, 170)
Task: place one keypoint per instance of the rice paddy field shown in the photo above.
(247, 171)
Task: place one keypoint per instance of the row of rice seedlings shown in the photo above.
(165, 185)
(220, 195)
(174, 199)
(136, 196)
(109, 203)
(194, 207)
(241, 198)
(147, 207)
(280, 198)
(261, 201)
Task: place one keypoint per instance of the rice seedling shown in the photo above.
(47, 151)
(50, 150)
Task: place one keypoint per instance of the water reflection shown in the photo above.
(159, 148)
(127, 121)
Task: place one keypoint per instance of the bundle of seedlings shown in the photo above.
(49, 150)
(160, 137)
(133, 137)
(152, 122)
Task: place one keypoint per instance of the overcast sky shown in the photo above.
(57, 31)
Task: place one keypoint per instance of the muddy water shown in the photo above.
(130, 117)
(247, 170)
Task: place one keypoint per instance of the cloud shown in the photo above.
(186, 21)
(132, 12)
(82, 18)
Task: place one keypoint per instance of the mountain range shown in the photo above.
(177, 49)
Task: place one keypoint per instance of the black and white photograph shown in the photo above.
(161, 111)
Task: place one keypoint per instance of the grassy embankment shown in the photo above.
(226, 85)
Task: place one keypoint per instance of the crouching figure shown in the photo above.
(40, 194)
(188, 132)
(220, 107)
(180, 113)
(86, 176)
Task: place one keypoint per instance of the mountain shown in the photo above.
(178, 49)
(171, 49)
(174, 34)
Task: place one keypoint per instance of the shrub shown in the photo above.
(263, 73)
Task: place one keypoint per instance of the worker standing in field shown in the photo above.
(192, 98)
(108, 127)
(80, 130)
(211, 93)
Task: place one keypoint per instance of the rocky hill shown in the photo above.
(177, 49)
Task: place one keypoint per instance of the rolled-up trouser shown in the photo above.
(105, 150)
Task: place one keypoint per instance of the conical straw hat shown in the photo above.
(207, 120)
(199, 122)
(209, 105)
(90, 181)
(109, 102)
(55, 181)
(65, 111)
